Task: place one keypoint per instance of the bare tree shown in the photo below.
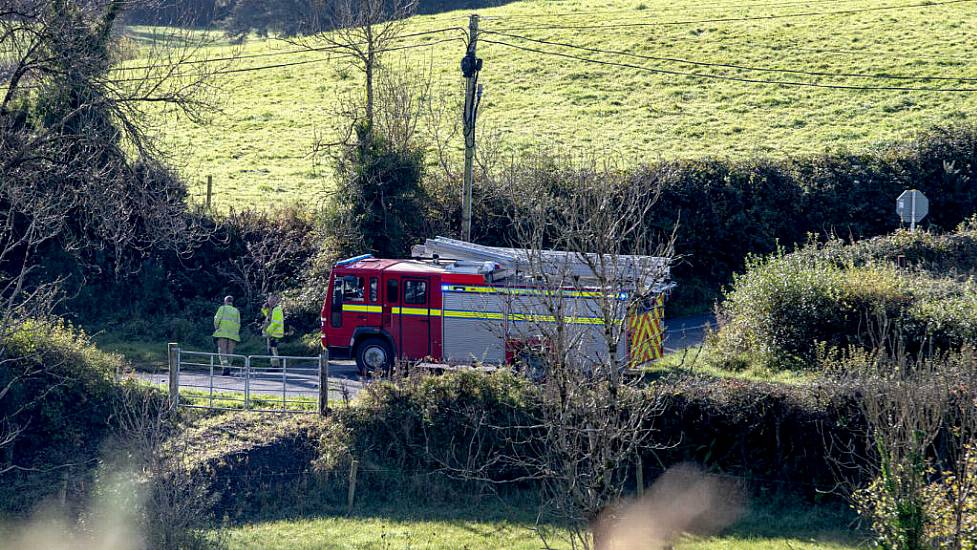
(73, 132)
(442, 127)
(79, 174)
(360, 31)
(570, 316)
(403, 101)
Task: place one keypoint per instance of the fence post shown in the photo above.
(247, 382)
(639, 474)
(63, 496)
(210, 184)
(351, 495)
(173, 355)
(324, 383)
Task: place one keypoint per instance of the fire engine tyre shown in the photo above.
(374, 354)
(531, 365)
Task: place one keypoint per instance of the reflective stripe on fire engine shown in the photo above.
(362, 309)
(552, 319)
(394, 310)
(527, 291)
(414, 311)
(471, 314)
(520, 317)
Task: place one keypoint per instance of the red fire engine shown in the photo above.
(460, 303)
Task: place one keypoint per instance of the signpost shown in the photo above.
(912, 206)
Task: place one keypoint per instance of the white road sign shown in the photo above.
(912, 206)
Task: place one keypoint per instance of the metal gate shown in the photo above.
(259, 383)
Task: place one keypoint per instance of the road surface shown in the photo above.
(685, 332)
(344, 382)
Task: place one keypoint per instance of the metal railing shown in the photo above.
(259, 383)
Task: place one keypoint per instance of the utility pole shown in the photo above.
(470, 66)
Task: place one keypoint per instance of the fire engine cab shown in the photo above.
(456, 302)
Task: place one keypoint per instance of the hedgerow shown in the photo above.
(726, 210)
(786, 310)
(62, 393)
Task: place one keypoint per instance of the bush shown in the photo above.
(951, 505)
(382, 199)
(787, 309)
(408, 425)
(773, 434)
(62, 392)
(245, 254)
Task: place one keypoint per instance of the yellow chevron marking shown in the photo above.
(646, 335)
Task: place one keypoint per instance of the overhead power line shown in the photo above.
(252, 69)
(744, 18)
(284, 52)
(294, 63)
(729, 78)
(635, 11)
(876, 76)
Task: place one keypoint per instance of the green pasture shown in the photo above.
(259, 146)
(765, 525)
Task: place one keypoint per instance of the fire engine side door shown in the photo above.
(415, 318)
(351, 306)
(390, 322)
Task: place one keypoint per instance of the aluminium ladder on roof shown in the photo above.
(650, 270)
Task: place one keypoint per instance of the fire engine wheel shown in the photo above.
(532, 365)
(373, 354)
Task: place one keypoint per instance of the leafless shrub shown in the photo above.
(276, 245)
(176, 500)
(592, 419)
(911, 481)
(403, 99)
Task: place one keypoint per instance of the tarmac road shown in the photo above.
(686, 332)
(301, 380)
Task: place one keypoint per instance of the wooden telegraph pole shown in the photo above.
(470, 66)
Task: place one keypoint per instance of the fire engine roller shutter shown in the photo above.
(474, 322)
(473, 327)
(593, 342)
(584, 323)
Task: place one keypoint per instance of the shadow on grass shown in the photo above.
(771, 517)
(782, 516)
(428, 7)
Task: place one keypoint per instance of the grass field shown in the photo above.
(764, 527)
(258, 148)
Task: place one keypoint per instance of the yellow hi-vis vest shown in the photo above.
(228, 323)
(276, 323)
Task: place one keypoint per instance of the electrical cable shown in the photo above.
(737, 19)
(635, 11)
(258, 68)
(294, 63)
(877, 76)
(733, 78)
(285, 52)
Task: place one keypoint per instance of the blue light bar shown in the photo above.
(354, 259)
